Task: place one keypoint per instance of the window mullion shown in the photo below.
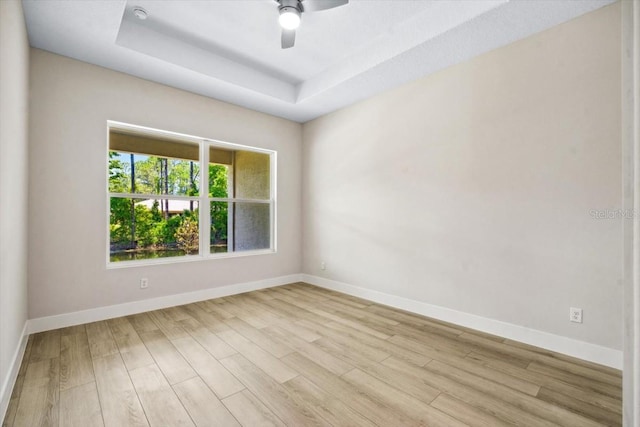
(205, 209)
(152, 196)
(231, 206)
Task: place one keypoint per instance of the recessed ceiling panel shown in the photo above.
(170, 43)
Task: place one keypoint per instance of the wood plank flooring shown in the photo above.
(297, 355)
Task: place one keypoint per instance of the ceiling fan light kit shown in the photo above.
(291, 15)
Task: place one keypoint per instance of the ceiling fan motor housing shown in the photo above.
(294, 4)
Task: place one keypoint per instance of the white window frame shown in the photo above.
(203, 199)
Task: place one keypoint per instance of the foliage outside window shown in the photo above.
(158, 208)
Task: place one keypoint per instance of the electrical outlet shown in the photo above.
(323, 265)
(144, 283)
(575, 314)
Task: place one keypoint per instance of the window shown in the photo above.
(161, 205)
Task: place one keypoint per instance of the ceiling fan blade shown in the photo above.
(288, 38)
(315, 5)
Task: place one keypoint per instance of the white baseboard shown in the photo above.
(109, 312)
(571, 347)
(12, 375)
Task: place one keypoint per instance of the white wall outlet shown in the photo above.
(323, 265)
(144, 283)
(575, 314)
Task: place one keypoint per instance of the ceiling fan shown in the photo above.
(291, 14)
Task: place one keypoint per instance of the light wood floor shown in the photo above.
(298, 355)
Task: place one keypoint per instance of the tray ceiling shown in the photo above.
(230, 49)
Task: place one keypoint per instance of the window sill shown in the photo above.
(185, 258)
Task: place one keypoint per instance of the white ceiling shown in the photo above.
(230, 49)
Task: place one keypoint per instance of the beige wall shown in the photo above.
(472, 188)
(14, 79)
(71, 102)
